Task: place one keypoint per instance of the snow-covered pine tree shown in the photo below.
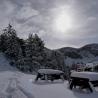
(10, 46)
(20, 61)
(39, 51)
(57, 60)
(3, 44)
(29, 51)
(34, 51)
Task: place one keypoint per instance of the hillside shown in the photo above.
(90, 50)
(85, 54)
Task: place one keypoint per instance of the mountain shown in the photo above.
(85, 51)
(85, 54)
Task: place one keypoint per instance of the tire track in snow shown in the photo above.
(13, 90)
(25, 92)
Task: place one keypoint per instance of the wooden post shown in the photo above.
(62, 77)
(46, 78)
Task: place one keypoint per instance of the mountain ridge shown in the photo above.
(85, 54)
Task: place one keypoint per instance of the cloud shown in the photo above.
(37, 16)
(26, 12)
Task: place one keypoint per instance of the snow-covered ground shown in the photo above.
(19, 85)
(14, 84)
(92, 76)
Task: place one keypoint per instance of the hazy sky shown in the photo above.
(59, 23)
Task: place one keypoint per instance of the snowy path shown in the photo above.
(53, 90)
(19, 85)
(11, 89)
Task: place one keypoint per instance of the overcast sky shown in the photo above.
(60, 23)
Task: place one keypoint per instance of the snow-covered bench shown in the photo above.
(49, 74)
(84, 79)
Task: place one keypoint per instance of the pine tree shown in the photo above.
(57, 60)
(38, 51)
(10, 44)
(3, 44)
(29, 51)
(34, 51)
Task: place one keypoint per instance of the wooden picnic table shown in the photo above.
(84, 80)
(49, 74)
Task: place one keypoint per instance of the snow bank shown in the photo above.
(4, 64)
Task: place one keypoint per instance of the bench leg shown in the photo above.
(61, 76)
(36, 79)
(46, 78)
(71, 85)
(90, 86)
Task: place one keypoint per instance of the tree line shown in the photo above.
(30, 54)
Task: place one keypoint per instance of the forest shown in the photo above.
(29, 54)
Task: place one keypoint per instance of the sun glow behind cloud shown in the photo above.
(62, 22)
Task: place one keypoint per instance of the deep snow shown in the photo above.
(92, 76)
(14, 84)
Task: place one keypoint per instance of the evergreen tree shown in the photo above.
(30, 54)
(34, 51)
(57, 60)
(3, 43)
(22, 45)
(38, 49)
(10, 44)
(96, 68)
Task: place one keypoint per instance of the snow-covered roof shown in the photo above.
(49, 71)
(90, 75)
(89, 65)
